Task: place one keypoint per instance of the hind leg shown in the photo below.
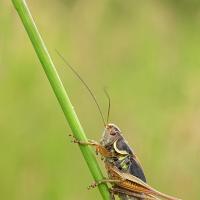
(130, 195)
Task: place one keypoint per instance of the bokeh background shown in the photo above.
(145, 52)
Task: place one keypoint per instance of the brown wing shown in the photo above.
(132, 183)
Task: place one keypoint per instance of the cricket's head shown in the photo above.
(110, 135)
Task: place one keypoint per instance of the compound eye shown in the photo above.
(113, 133)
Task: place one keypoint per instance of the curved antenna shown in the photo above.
(84, 83)
(108, 96)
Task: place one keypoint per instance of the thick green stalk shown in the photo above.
(59, 91)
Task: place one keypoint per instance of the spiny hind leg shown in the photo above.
(121, 192)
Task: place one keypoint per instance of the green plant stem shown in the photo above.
(60, 92)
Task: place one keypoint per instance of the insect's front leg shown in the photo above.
(99, 148)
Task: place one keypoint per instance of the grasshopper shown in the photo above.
(123, 167)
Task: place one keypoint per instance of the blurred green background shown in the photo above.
(146, 52)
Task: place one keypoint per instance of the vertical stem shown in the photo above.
(59, 91)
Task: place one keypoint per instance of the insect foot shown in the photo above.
(93, 185)
(74, 140)
(96, 183)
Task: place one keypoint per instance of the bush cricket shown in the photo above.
(123, 167)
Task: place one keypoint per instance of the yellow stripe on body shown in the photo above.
(122, 152)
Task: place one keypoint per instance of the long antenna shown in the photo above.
(85, 84)
(108, 96)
